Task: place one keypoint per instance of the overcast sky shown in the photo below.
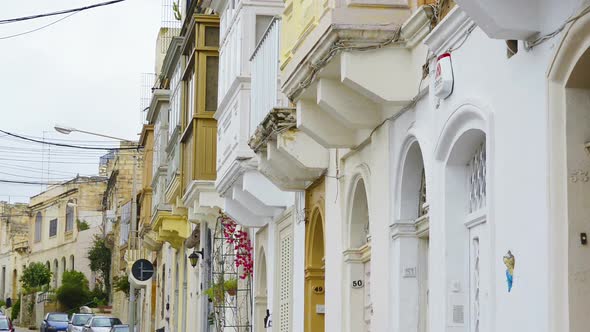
(83, 72)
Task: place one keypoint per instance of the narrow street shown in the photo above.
(21, 329)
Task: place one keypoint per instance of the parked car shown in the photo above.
(6, 324)
(101, 324)
(55, 321)
(120, 328)
(77, 322)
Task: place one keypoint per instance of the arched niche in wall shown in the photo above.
(409, 249)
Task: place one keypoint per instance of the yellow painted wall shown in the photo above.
(299, 18)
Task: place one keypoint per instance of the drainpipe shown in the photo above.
(204, 272)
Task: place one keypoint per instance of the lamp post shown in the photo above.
(66, 131)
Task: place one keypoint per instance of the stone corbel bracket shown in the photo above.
(288, 157)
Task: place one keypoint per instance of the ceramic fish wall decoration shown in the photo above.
(509, 261)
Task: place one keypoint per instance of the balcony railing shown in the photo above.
(265, 76)
(134, 249)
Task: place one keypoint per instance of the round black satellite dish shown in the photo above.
(142, 269)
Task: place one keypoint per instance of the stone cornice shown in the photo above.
(276, 121)
(412, 32)
(159, 96)
(449, 31)
(194, 188)
(234, 172)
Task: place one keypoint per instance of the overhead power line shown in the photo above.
(68, 145)
(45, 182)
(60, 12)
(37, 29)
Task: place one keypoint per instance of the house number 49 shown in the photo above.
(357, 284)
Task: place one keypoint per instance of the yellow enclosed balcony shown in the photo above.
(305, 22)
(198, 141)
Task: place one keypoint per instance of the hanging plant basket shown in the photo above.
(231, 287)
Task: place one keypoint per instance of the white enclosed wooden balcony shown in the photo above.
(265, 89)
(271, 119)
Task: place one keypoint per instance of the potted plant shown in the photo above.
(215, 293)
(231, 286)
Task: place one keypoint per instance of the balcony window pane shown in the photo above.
(212, 36)
(211, 83)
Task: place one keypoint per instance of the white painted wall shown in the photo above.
(508, 96)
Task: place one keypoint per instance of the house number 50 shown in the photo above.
(357, 284)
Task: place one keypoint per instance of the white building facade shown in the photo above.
(270, 212)
(447, 210)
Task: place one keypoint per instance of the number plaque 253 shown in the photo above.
(357, 284)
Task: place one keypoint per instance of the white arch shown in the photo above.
(466, 116)
(410, 160)
(574, 42)
(362, 173)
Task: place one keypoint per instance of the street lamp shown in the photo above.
(68, 130)
(194, 257)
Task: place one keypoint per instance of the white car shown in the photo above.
(77, 322)
(100, 324)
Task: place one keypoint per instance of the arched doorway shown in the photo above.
(315, 273)
(577, 127)
(410, 244)
(466, 241)
(567, 85)
(357, 258)
(314, 258)
(14, 284)
(261, 298)
(55, 274)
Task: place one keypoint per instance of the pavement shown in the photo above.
(21, 329)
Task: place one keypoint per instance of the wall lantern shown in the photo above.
(194, 257)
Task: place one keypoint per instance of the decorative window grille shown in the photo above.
(422, 206)
(477, 179)
(69, 218)
(38, 226)
(475, 288)
(368, 305)
(286, 280)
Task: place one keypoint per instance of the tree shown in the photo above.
(82, 225)
(35, 276)
(74, 291)
(100, 260)
(121, 284)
